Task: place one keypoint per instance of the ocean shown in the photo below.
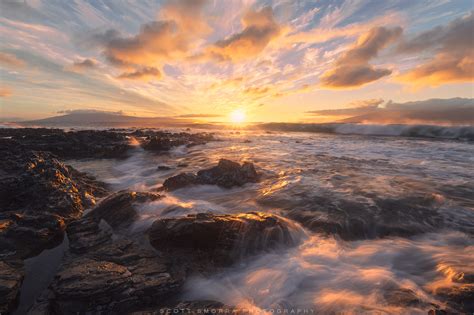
(374, 211)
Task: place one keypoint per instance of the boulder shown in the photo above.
(180, 181)
(118, 210)
(219, 240)
(226, 174)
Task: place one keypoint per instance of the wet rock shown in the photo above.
(460, 298)
(219, 240)
(109, 275)
(87, 234)
(403, 297)
(118, 210)
(226, 174)
(38, 182)
(354, 219)
(179, 181)
(163, 168)
(26, 235)
(164, 141)
(11, 277)
(70, 145)
(158, 144)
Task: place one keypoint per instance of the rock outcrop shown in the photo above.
(226, 174)
(355, 219)
(36, 182)
(160, 141)
(39, 195)
(207, 240)
(69, 145)
(109, 275)
(118, 209)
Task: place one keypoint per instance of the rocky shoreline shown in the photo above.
(105, 269)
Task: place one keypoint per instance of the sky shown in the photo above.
(274, 61)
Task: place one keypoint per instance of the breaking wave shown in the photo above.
(422, 131)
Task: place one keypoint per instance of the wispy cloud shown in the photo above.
(453, 60)
(353, 69)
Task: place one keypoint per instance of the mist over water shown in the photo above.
(401, 208)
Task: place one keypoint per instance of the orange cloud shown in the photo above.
(5, 92)
(453, 60)
(11, 60)
(171, 37)
(144, 74)
(352, 69)
(260, 28)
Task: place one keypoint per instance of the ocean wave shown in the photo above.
(421, 131)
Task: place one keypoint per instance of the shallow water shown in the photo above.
(425, 186)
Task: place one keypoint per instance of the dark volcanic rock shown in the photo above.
(226, 174)
(37, 182)
(460, 298)
(109, 275)
(26, 235)
(160, 141)
(220, 239)
(11, 278)
(70, 145)
(38, 196)
(179, 181)
(354, 219)
(118, 209)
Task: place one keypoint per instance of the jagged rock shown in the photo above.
(26, 235)
(11, 277)
(104, 274)
(87, 234)
(118, 210)
(38, 182)
(226, 174)
(119, 276)
(460, 298)
(72, 144)
(220, 239)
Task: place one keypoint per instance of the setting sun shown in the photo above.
(237, 116)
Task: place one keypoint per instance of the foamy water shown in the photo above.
(430, 182)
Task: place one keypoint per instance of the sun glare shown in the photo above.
(237, 116)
